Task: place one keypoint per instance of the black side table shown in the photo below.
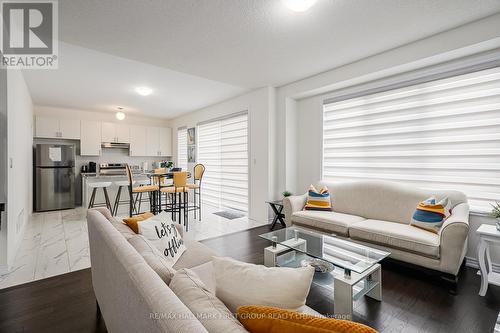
(277, 207)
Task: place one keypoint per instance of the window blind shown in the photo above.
(182, 148)
(223, 149)
(443, 134)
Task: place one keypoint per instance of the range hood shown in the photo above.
(117, 145)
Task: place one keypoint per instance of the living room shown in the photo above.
(351, 144)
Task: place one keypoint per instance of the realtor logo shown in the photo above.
(29, 34)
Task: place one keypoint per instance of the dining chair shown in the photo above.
(138, 191)
(180, 196)
(199, 170)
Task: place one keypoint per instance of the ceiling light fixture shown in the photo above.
(120, 115)
(143, 91)
(299, 5)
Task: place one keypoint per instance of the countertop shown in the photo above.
(95, 175)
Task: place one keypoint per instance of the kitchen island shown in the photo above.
(88, 178)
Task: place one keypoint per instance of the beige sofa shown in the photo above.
(131, 295)
(378, 214)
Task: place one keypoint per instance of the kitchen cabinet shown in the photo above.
(153, 141)
(138, 141)
(90, 142)
(49, 127)
(112, 132)
(165, 142)
(158, 141)
(69, 128)
(123, 133)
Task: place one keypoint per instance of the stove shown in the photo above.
(111, 169)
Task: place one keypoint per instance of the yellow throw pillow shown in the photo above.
(263, 319)
(133, 222)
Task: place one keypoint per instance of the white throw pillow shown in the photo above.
(238, 284)
(162, 233)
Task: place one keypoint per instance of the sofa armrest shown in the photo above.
(453, 238)
(293, 204)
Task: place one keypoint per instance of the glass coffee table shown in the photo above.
(356, 269)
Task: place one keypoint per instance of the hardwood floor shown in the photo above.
(412, 301)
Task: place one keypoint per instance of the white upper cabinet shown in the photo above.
(112, 132)
(108, 132)
(165, 142)
(153, 141)
(48, 127)
(123, 133)
(90, 142)
(69, 128)
(138, 141)
(158, 141)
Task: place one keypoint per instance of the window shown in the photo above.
(182, 148)
(443, 134)
(223, 149)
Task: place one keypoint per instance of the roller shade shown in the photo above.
(182, 148)
(223, 149)
(443, 134)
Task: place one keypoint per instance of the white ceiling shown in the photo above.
(241, 44)
(91, 80)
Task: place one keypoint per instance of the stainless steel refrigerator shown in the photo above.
(54, 177)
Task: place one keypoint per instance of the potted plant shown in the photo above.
(495, 212)
(286, 194)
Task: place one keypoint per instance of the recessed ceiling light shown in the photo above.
(143, 91)
(299, 5)
(120, 115)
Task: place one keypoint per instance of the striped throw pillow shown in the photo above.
(318, 200)
(430, 215)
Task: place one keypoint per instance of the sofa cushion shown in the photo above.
(331, 221)
(238, 284)
(207, 308)
(269, 319)
(153, 257)
(196, 254)
(122, 228)
(318, 200)
(206, 274)
(430, 214)
(133, 222)
(396, 235)
(160, 230)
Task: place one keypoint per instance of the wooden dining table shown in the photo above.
(159, 176)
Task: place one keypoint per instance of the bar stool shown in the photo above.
(199, 170)
(150, 189)
(104, 186)
(120, 184)
(139, 197)
(179, 187)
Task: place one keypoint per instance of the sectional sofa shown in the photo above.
(378, 214)
(132, 297)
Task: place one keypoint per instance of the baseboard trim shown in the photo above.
(474, 263)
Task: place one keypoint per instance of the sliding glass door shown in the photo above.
(182, 161)
(223, 149)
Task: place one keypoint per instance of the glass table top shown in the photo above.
(339, 252)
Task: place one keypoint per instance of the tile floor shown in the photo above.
(57, 242)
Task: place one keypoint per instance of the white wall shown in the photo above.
(19, 179)
(260, 106)
(306, 149)
(131, 118)
(476, 37)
